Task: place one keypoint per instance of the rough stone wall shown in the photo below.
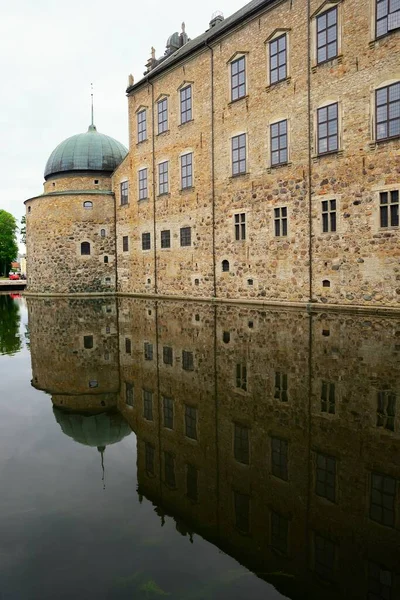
(359, 263)
(66, 182)
(57, 224)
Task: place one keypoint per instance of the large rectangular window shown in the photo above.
(241, 444)
(383, 499)
(166, 238)
(277, 59)
(239, 154)
(328, 128)
(186, 236)
(240, 226)
(327, 35)
(186, 104)
(191, 422)
(162, 115)
(124, 193)
(143, 194)
(387, 16)
(325, 479)
(386, 410)
(148, 405)
(141, 126)
(167, 355)
(187, 360)
(163, 178)
(387, 100)
(280, 221)
(168, 412)
(389, 209)
(279, 458)
(279, 143)
(238, 78)
(328, 216)
(125, 243)
(146, 241)
(187, 170)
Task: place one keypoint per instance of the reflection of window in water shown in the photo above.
(386, 410)
(241, 444)
(149, 458)
(128, 346)
(380, 582)
(325, 484)
(169, 469)
(324, 556)
(191, 422)
(129, 393)
(187, 360)
(242, 511)
(167, 355)
(148, 351)
(279, 456)
(148, 405)
(88, 342)
(383, 496)
(168, 410)
(191, 482)
(328, 398)
(279, 532)
(281, 386)
(93, 383)
(241, 377)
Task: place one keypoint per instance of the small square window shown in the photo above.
(88, 342)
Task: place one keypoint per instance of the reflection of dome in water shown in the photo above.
(95, 430)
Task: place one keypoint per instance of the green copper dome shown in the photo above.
(96, 430)
(90, 151)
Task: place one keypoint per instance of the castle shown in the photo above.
(263, 166)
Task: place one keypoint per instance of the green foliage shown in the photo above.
(10, 342)
(22, 230)
(8, 240)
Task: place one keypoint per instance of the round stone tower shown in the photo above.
(70, 228)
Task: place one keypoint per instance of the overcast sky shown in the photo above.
(50, 52)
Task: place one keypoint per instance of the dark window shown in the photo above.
(328, 129)
(324, 556)
(149, 458)
(326, 283)
(93, 383)
(238, 78)
(388, 111)
(128, 346)
(327, 35)
(162, 112)
(250, 282)
(279, 532)
(242, 511)
(186, 104)
(281, 386)
(328, 216)
(187, 170)
(241, 376)
(103, 233)
(380, 583)
(85, 249)
(328, 397)
(225, 266)
(277, 59)
(325, 480)
(168, 411)
(96, 181)
(226, 337)
(281, 221)
(125, 243)
(240, 226)
(279, 143)
(386, 410)
(279, 458)
(141, 126)
(88, 342)
(148, 405)
(191, 422)
(167, 355)
(129, 393)
(389, 209)
(169, 472)
(383, 496)
(166, 239)
(88, 204)
(124, 192)
(163, 178)
(142, 184)
(187, 360)
(239, 154)
(146, 244)
(387, 16)
(191, 482)
(148, 351)
(241, 445)
(186, 236)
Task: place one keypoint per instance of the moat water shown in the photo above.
(185, 450)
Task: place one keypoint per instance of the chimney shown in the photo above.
(216, 18)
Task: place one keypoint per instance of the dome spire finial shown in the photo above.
(92, 126)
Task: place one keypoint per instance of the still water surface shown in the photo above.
(178, 449)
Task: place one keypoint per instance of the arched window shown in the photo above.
(85, 249)
(326, 283)
(226, 337)
(225, 266)
(88, 204)
(103, 233)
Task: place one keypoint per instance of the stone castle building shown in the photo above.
(263, 165)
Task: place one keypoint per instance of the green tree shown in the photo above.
(10, 341)
(8, 240)
(23, 230)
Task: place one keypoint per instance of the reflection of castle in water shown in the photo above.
(274, 435)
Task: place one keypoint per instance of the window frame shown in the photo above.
(281, 221)
(185, 236)
(125, 243)
(388, 31)
(271, 42)
(279, 124)
(162, 124)
(163, 177)
(326, 106)
(327, 212)
(143, 189)
(186, 179)
(124, 192)
(191, 422)
(235, 154)
(163, 241)
(387, 104)
(240, 86)
(240, 226)
(141, 129)
(324, 14)
(87, 247)
(146, 241)
(183, 112)
(388, 205)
